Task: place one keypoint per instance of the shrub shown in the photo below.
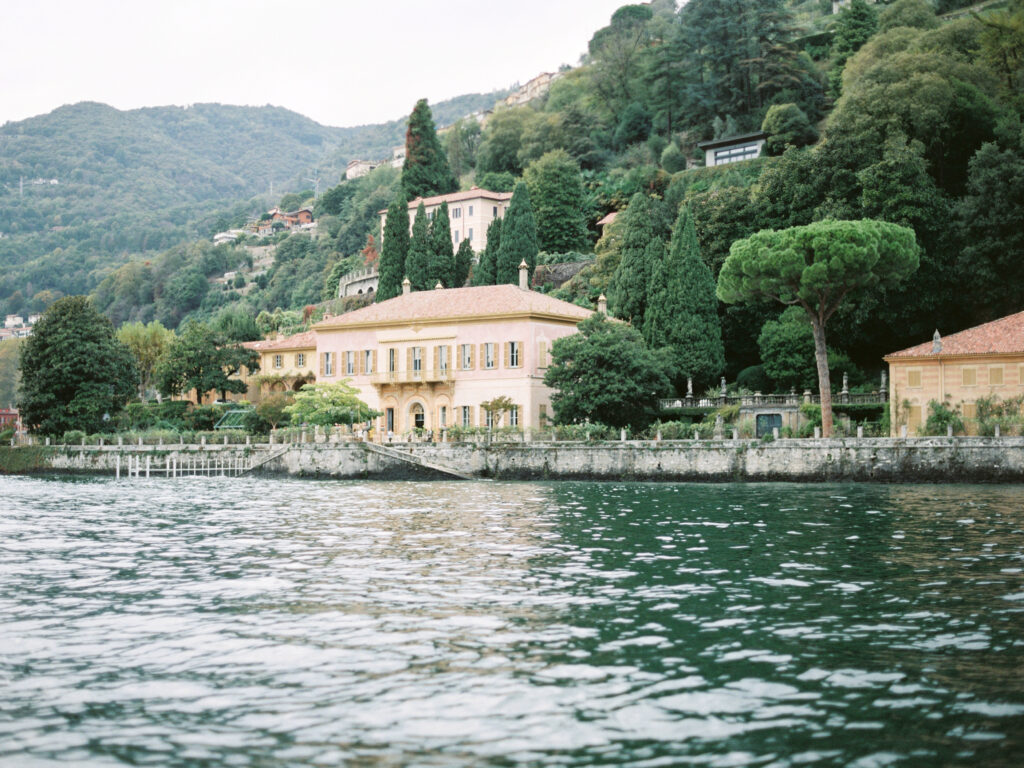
(754, 379)
(1007, 414)
(7, 435)
(941, 416)
(73, 437)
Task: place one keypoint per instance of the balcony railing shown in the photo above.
(426, 375)
(790, 399)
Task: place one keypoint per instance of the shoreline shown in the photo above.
(888, 460)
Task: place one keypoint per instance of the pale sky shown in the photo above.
(341, 63)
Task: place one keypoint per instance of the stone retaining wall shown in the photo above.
(935, 459)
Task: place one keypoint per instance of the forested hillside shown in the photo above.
(132, 183)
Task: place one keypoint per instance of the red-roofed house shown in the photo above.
(470, 212)
(286, 364)
(429, 359)
(979, 362)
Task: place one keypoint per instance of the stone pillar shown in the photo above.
(997, 432)
(622, 435)
(724, 391)
(140, 441)
(817, 433)
(225, 439)
(885, 387)
(248, 441)
(949, 430)
(807, 396)
(775, 433)
(602, 304)
(735, 434)
(860, 431)
(101, 442)
(903, 431)
(202, 440)
(524, 276)
(719, 425)
(844, 395)
(696, 434)
(47, 441)
(120, 440)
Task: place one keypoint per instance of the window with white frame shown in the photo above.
(489, 354)
(455, 236)
(442, 358)
(513, 416)
(466, 353)
(471, 234)
(368, 360)
(456, 213)
(391, 360)
(471, 210)
(488, 418)
(300, 360)
(442, 416)
(513, 354)
(328, 363)
(350, 363)
(417, 358)
(467, 416)
(278, 361)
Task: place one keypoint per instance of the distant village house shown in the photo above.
(470, 212)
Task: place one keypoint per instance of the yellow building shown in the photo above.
(286, 364)
(429, 359)
(981, 362)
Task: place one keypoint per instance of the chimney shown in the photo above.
(438, 287)
(602, 304)
(936, 343)
(406, 286)
(524, 276)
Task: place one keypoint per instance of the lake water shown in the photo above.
(257, 622)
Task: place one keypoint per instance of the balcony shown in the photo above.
(425, 375)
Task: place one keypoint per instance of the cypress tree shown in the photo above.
(442, 252)
(518, 238)
(463, 263)
(556, 192)
(684, 312)
(394, 250)
(485, 270)
(655, 321)
(627, 291)
(426, 170)
(417, 266)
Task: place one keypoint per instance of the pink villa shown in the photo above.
(427, 360)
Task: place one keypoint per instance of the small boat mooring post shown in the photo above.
(117, 467)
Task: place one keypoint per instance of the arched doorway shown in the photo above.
(417, 416)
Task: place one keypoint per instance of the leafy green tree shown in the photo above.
(273, 408)
(75, 374)
(497, 407)
(203, 360)
(817, 267)
(10, 353)
(991, 218)
(236, 324)
(394, 250)
(787, 350)
(627, 291)
(485, 271)
(518, 238)
(502, 140)
(181, 294)
(442, 251)
(147, 343)
(606, 373)
(502, 181)
(615, 51)
(461, 143)
(684, 314)
(556, 192)
(329, 404)
(856, 23)
(417, 265)
(786, 124)
(634, 126)
(463, 263)
(918, 14)
(672, 158)
(426, 170)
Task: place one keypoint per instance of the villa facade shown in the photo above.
(469, 212)
(429, 359)
(981, 362)
(286, 364)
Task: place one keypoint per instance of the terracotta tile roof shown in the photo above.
(608, 219)
(999, 337)
(304, 340)
(457, 303)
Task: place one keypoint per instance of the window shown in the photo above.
(513, 416)
(466, 354)
(969, 410)
(350, 363)
(418, 419)
(442, 416)
(969, 377)
(278, 361)
(542, 354)
(417, 358)
(328, 363)
(914, 419)
(391, 360)
(488, 419)
(442, 358)
(389, 415)
(300, 360)
(542, 416)
(495, 213)
(995, 376)
(467, 416)
(471, 234)
(914, 378)
(455, 236)
(513, 354)
(737, 154)
(471, 213)
(368, 361)
(489, 355)
(456, 213)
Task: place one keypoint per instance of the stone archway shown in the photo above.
(417, 415)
